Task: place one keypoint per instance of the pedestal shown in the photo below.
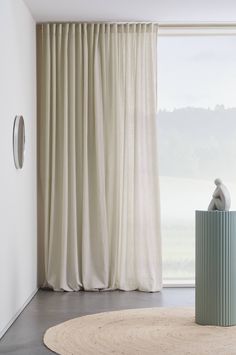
(215, 268)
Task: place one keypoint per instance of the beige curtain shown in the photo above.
(99, 225)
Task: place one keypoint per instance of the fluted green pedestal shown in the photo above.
(216, 268)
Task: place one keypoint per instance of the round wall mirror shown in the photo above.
(19, 141)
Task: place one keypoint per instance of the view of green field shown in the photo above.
(204, 155)
(179, 200)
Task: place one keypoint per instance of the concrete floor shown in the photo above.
(50, 308)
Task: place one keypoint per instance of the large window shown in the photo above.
(197, 138)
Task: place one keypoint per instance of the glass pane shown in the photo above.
(197, 138)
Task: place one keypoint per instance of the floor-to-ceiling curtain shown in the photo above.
(98, 192)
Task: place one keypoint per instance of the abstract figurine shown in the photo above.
(221, 198)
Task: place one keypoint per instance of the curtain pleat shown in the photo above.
(99, 213)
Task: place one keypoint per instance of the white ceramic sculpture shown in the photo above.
(221, 198)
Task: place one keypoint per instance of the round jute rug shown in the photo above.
(140, 331)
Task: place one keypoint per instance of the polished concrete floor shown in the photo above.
(50, 308)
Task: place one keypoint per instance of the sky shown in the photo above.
(196, 71)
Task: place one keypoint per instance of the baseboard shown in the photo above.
(4, 330)
(178, 285)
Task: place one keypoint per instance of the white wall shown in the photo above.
(18, 236)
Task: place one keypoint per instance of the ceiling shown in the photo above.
(162, 11)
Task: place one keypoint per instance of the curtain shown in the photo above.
(98, 190)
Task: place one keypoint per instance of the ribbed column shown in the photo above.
(216, 268)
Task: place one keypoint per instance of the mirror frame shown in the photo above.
(18, 155)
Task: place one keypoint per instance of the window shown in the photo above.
(197, 138)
